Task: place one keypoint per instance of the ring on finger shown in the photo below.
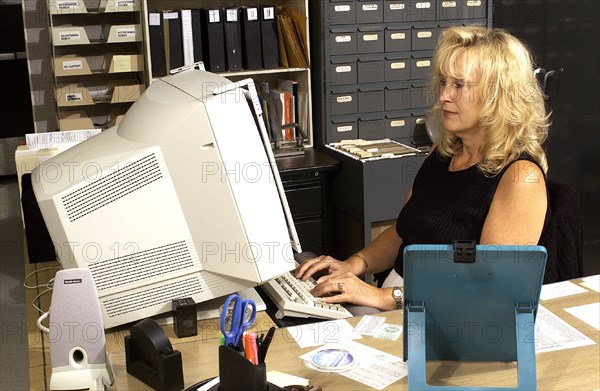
(340, 286)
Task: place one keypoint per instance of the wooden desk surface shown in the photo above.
(569, 369)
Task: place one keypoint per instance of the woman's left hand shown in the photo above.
(347, 288)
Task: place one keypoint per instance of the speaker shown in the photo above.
(77, 340)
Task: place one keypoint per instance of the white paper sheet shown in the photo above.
(592, 282)
(553, 333)
(589, 313)
(369, 324)
(376, 369)
(315, 334)
(560, 289)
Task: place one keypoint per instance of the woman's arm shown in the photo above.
(519, 206)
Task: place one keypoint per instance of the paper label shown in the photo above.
(424, 34)
(342, 8)
(170, 15)
(344, 99)
(268, 13)
(370, 37)
(125, 3)
(420, 121)
(423, 63)
(448, 4)
(252, 13)
(73, 65)
(232, 15)
(69, 36)
(343, 69)
(343, 38)
(214, 16)
(396, 7)
(154, 19)
(126, 32)
(370, 7)
(347, 128)
(64, 5)
(398, 65)
(398, 36)
(474, 3)
(74, 97)
(122, 63)
(425, 4)
(397, 123)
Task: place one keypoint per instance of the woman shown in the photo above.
(485, 178)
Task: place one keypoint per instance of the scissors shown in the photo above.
(234, 328)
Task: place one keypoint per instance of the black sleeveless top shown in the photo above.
(446, 206)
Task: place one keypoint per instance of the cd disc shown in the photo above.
(333, 360)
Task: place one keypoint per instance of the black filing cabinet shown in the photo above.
(305, 180)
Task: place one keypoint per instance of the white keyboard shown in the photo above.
(293, 298)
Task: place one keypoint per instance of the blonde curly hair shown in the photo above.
(513, 112)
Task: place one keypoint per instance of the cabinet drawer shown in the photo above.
(310, 233)
(304, 197)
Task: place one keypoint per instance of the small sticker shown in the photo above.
(74, 97)
(342, 8)
(344, 99)
(125, 3)
(370, 37)
(343, 38)
(73, 65)
(424, 34)
(398, 65)
(474, 3)
(343, 69)
(423, 63)
(396, 7)
(214, 16)
(122, 63)
(154, 19)
(126, 33)
(397, 123)
(170, 15)
(448, 4)
(347, 128)
(420, 121)
(69, 36)
(252, 13)
(398, 36)
(425, 4)
(268, 13)
(63, 5)
(370, 7)
(232, 15)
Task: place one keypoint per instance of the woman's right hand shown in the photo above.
(323, 263)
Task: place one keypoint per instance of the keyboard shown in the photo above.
(293, 298)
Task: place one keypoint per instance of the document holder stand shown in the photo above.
(467, 302)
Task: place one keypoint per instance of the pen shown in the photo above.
(248, 351)
(265, 345)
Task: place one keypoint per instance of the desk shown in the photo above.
(40, 368)
(569, 369)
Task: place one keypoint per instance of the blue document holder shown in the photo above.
(467, 302)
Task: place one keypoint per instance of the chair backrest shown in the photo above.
(563, 234)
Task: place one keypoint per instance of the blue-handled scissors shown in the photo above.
(234, 328)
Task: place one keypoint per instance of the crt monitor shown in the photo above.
(181, 199)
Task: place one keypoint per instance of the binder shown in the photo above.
(233, 38)
(173, 41)
(157, 44)
(191, 36)
(213, 40)
(251, 42)
(268, 35)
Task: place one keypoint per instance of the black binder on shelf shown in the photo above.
(251, 42)
(213, 40)
(233, 38)
(268, 34)
(173, 39)
(157, 44)
(191, 36)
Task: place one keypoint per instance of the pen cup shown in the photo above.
(237, 373)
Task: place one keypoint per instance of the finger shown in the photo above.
(301, 270)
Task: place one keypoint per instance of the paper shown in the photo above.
(592, 282)
(281, 379)
(376, 369)
(560, 289)
(553, 333)
(315, 334)
(391, 332)
(369, 324)
(52, 139)
(589, 313)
